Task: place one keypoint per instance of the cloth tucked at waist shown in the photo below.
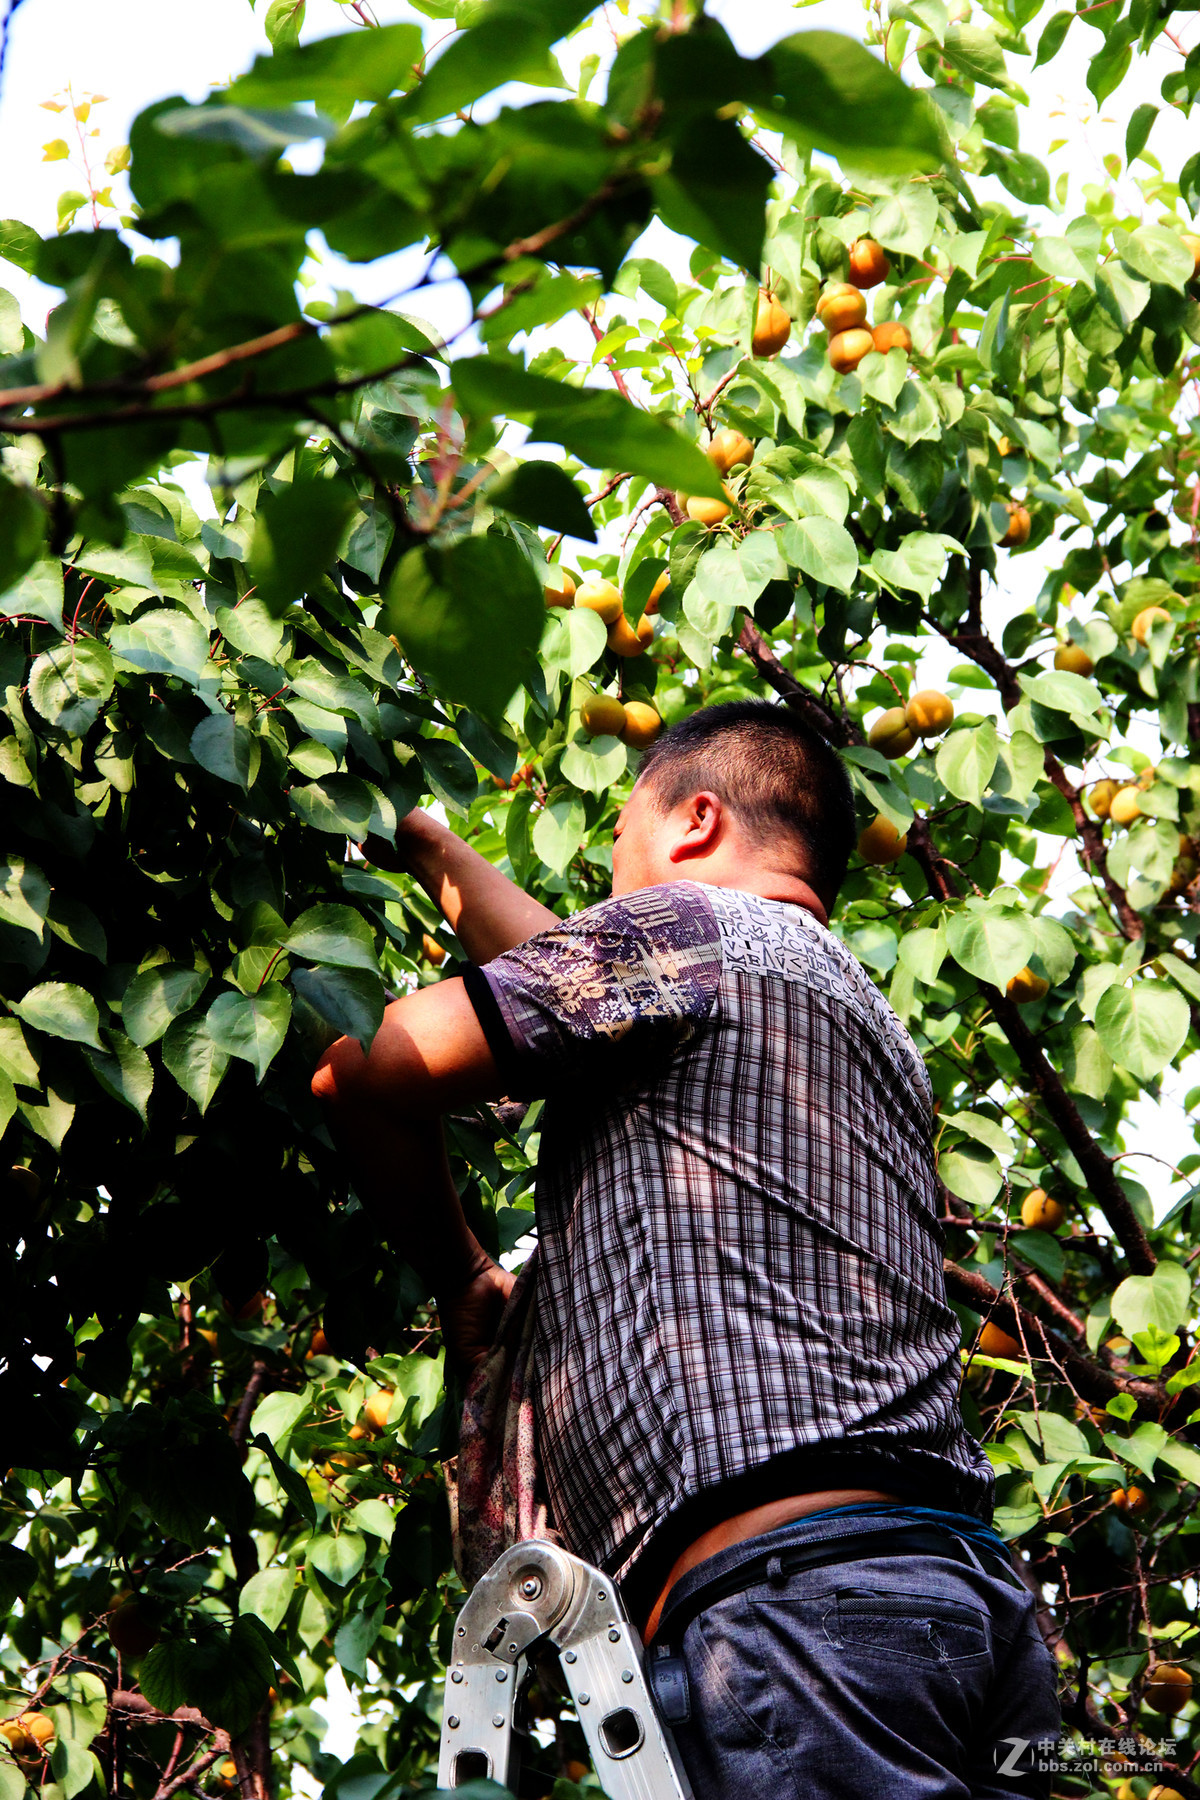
(494, 1484)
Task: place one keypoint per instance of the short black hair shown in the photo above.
(774, 773)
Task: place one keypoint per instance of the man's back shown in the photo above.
(740, 1287)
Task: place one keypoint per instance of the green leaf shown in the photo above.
(977, 54)
(61, 1010)
(1161, 1299)
(8, 1107)
(334, 72)
(191, 1056)
(334, 934)
(542, 493)
(296, 534)
(24, 895)
(572, 641)
(558, 832)
(715, 190)
(1063, 692)
(1183, 1459)
(1155, 253)
(507, 39)
(268, 1595)
(17, 1063)
(824, 551)
(984, 1131)
(22, 532)
(469, 618)
(69, 684)
(251, 1026)
(71, 1766)
(1137, 132)
(341, 804)
(20, 244)
(251, 628)
(225, 1675)
(599, 427)
(377, 1517)
(163, 643)
(258, 131)
(283, 23)
(966, 760)
(905, 222)
(38, 594)
(293, 1484)
(127, 1074)
(594, 764)
(1142, 1027)
(350, 999)
(975, 1178)
(1052, 38)
(338, 1558)
(157, 996)
(990, 942)
(826, 90)
(918, 563)
(224, 748)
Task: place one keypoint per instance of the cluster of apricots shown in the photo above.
(727, 450)
(28, 1736)
(372, 1423)
(1120, 801)
(926, 714)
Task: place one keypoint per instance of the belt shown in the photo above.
(775, 1566)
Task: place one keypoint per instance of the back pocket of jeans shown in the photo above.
(926, 1627)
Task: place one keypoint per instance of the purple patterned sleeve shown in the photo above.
(638, 972)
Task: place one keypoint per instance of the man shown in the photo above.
(747, 1370)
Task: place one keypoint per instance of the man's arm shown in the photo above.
(429, 1056)
(487, 912)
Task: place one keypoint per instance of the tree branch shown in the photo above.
(1096, 1166)
(1091, 1381)
(837, 730)
(974, 643)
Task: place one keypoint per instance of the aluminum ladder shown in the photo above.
(537, 1594)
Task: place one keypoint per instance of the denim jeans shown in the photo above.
(903, 1676)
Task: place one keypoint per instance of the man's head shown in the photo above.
(737, 795)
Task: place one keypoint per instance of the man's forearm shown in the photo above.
(402, 1176)
(487, 912)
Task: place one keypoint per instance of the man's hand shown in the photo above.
(416, 834)
(487, 912)
(471, 1316)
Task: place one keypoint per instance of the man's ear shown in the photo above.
(699, 829)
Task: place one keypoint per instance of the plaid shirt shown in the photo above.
(740, 1290)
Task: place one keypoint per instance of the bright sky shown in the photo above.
(139, 51)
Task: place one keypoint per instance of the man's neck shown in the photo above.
(767, 883)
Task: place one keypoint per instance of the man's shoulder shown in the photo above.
(777, 939)
(672, 911)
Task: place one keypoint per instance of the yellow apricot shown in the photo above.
(881, 843)
(1123, 808)
(929, 712)
(600, 597)
(1147, 619)
(642, 724)
(1025, 987)
(891, 734)
(1074, 659)
(772, 325)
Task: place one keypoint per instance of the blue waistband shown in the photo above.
(966, 1525)
(821, 1527)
